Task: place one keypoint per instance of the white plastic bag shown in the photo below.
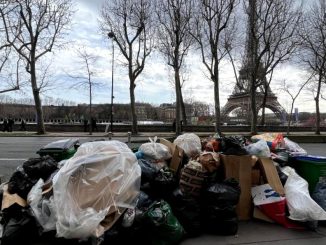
(156, 151)
(100, 181)
(301, 206)
(260, 149)
(43, 208)
(190, 143)
(294, 148)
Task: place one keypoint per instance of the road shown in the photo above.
(15, 150)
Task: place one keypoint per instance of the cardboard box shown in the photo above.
(270, 175)
(177, 155)
(240, 168)
(251, 171)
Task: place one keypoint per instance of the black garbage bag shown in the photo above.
(26, 176)
(164, 228)
(164, 184)
(19, 226)
(143, 201)
(281, 156)
(223, 194)
(113, 236)
(219, 212)
(319, 194)
(131, 226)
(218, 208)
(21, 183)
(41, 167)
(283, 177)
(233, 145)
(148, 170)
(187, 210)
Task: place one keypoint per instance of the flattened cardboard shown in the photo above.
(177, 155)
(10, 199)
(270, 175)
(240, 168)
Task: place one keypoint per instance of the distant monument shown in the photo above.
(240, 97)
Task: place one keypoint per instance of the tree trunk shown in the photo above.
(253, 107)
(90, 111)
(317, 106)
(178, 99)
(37, 100)
(290, 119)
(217, 100)
(134, 127)
(263, 107)
(183, 109)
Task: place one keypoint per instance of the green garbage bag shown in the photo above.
(165, 228)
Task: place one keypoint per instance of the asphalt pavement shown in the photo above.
(15, 150)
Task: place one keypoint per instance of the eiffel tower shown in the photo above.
(240, 97)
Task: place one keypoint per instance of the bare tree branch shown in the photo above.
(32, 28)
(129, 24)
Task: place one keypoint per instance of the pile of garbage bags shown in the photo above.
(165, 192)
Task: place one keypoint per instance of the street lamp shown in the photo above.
(112, 36)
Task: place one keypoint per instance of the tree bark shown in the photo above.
(134, 127)
(37, 99)
(317, 105)
(217, 99)
(183, 109)
(290, 119)
(263, 106)
(178, 98)
(90, 110)
(253, 127)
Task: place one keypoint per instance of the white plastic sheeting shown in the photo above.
(99, 182)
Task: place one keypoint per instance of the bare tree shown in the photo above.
(129, 24)
(174, 40)
(272, 25)
(314, 49)
(214, 37)
(6, 54)
(33, 28)
(85, 77)
(289, 89)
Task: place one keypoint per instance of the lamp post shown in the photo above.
(111, 36)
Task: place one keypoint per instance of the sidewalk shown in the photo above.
(259, 232)
(299, 137)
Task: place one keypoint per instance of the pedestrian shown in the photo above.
(10, 124)
(85, 124)
(94, 126)
(23, 125)
(5, 125)
(174, 126)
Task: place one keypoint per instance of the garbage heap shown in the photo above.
(163, 193)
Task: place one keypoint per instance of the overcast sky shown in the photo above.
(153, 84)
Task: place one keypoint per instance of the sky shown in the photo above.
(153, 84)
